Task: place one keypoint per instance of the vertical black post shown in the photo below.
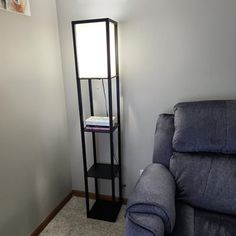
(93, 134)
(81, 122)
(118, 110)
(110, 107)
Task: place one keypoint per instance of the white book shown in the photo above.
(99, 121)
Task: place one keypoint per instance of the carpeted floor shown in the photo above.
(72, 221)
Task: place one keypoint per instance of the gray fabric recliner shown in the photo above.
(190, 189)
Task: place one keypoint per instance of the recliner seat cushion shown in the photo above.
(196, 222)
(206, 181)
(208, 126)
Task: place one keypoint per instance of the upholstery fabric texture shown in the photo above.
(206, 180)
(194, 175)
(154, 194)
(163, 139)
(195, 222)
(184, 225)
(208, 126)
(134, 223)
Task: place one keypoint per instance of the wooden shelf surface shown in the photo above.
(105, 210)
(103, 171)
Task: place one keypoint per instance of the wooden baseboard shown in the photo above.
(47, 220)
(79, 193)
(76, 193)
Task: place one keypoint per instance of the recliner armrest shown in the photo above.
(153, 195)
(133, 227)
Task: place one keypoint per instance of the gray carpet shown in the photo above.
(72, 221)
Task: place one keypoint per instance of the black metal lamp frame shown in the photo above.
(103, 210)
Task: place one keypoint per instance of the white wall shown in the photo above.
(34, 165)
(171, 51)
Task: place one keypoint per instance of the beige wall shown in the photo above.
(34, 165)
(170, 51)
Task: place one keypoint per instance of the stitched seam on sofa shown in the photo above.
(167, 222)
(209, 172)
(141, 225)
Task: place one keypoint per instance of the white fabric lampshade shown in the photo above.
(91, 46)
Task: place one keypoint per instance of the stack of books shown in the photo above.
(99, 121)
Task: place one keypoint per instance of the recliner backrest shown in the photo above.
(204, 161)
(200, 142)
(208, 126)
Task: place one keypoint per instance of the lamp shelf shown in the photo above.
(96, 58)
(103, 171)
(105, 210)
